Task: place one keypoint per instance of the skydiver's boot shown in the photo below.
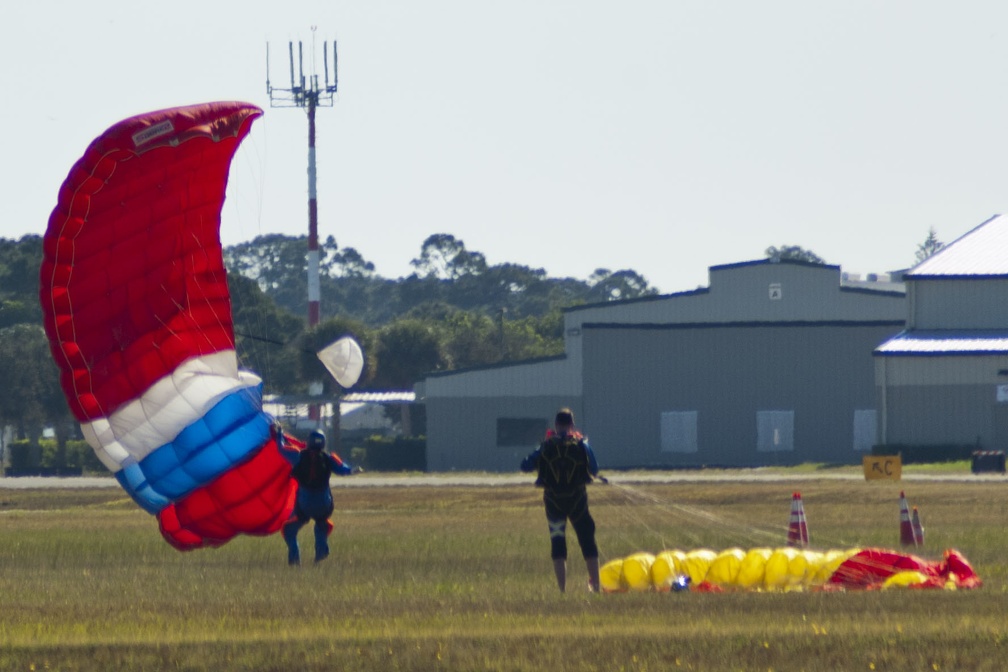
(322, 530)
(560, 569)
(290, 532)
(593, 574)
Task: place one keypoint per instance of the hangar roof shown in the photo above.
(946, 342)
(981, 252)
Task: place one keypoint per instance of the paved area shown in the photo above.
(372, 480)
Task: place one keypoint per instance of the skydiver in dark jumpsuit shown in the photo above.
(311, 468)
(565, 464)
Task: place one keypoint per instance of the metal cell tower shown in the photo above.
(308, 93)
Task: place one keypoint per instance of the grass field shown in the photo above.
(459, 578)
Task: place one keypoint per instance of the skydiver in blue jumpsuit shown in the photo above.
(311, 468)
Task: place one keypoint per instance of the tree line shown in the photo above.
(453, 311)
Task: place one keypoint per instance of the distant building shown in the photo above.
(770, 364)
(362, 414)
(944, 380)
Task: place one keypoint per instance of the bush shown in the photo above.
(925, 454)
(381, 453)
(45, 459)
(58, 461)
(25, 456)
(86, 458)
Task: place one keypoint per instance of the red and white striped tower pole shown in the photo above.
(313, 248)
(307, 92)
(314, 411)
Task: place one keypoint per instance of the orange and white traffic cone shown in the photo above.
(797, 534)
(907, 537)
(918, 529)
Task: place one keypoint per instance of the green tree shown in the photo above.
(624, 284)
(30, 397)
(470, 339)
(266, 336)
(444, 256)
(531, 337)
(19, 280)
(406, 350)
(793, 253)
(930, 247)
(348, 263)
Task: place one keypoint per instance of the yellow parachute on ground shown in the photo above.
(637, 571)
(666, 567)
(784, 569)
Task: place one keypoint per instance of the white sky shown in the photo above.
(656, 135)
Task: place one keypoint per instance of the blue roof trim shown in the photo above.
(498, 365)
(637, 299)
(646, 326)
(872, 290)
(959, 276)
(942, 353)
(782, 262)
(945, 343)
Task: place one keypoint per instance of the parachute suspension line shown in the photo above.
(630, 523)
(693, 518)
(698, 517)
(261, 184)
(634, 499)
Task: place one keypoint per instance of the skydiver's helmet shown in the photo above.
(316, 440)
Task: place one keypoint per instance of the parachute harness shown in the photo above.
(563, 463)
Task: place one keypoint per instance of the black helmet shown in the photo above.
(316, 440)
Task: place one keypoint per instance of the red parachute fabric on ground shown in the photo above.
(870, 568)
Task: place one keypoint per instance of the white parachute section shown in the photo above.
(344, 359)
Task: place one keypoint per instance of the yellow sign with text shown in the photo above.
(882, 467)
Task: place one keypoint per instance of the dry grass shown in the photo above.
(459, 579)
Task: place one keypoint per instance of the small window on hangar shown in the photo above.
(521, 431)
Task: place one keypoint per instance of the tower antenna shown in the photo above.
(308, 94)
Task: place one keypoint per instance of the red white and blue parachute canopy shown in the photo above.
(136, 307)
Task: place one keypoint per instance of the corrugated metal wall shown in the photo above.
(728, 374)
(947, 414)
(975, 303)
(742, 293)
(628, 376)
(467, 440)
(555, 375)
(942, 399)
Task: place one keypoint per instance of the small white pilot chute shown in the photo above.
(344, 360)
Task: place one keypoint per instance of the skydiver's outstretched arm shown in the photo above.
(531, 461)
(592, 462)
(292, 455)
(338, 466)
